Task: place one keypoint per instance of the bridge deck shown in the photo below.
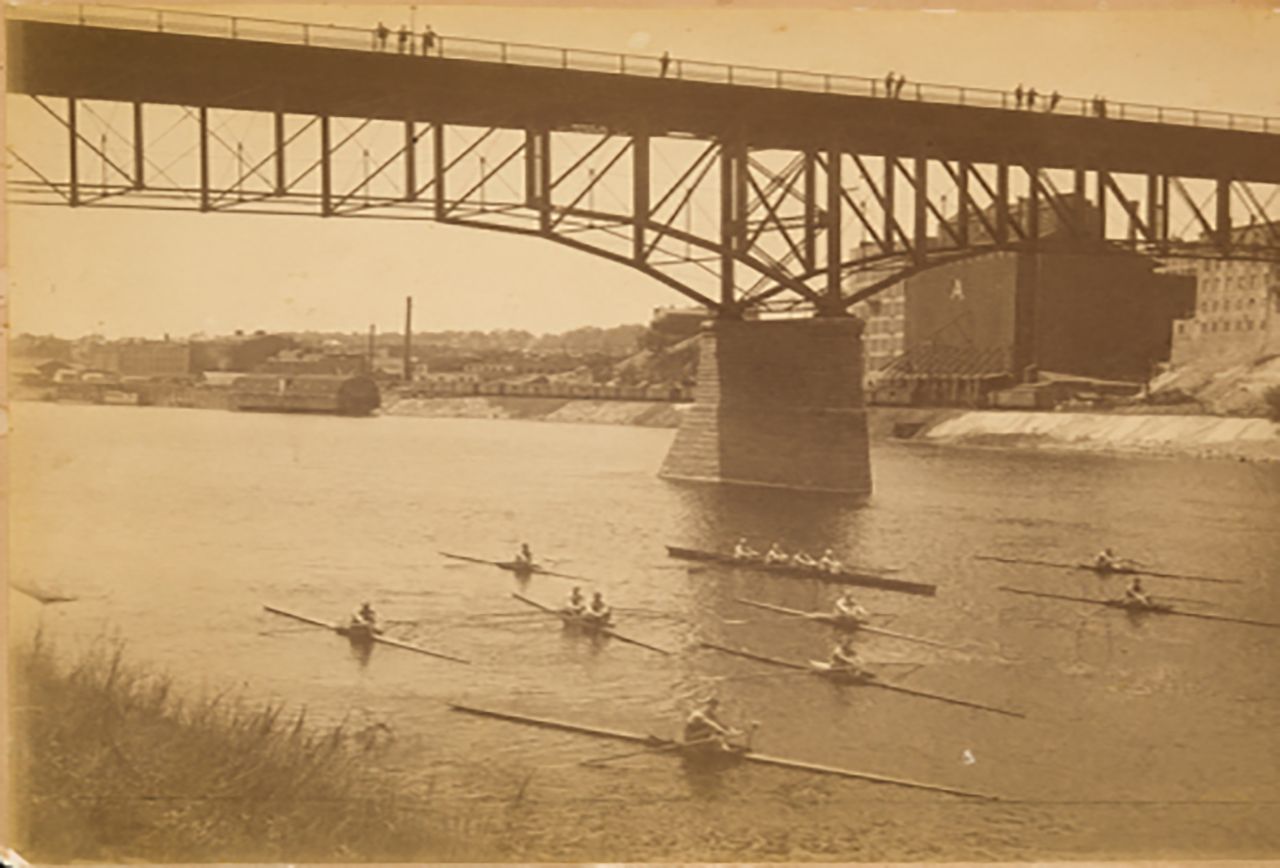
(89, 62)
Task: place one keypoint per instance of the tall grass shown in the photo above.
(111, 765)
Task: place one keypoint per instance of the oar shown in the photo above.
(907, 637)
(539, 571)
(607, 632)
(1187, 600)
(674, 745)
(506, 615)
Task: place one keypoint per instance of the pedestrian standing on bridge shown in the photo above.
(897, 90)
(402, 39)
(664, 63)
(380, 35)
(1054, 99)
(1017, 95)
(1031, 99)
(888, 83)
(428, 40)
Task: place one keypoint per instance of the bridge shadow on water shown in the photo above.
(714, 517)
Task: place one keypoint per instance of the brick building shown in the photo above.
(1002, 316)
(1237, 307)
(142, 358)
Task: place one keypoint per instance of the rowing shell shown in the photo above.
(841, 577)
(746, 755)
(520, 568)
(843, 678)
(1109, 571)
(588, 625)
(359, 633)
(1130, 606)
(843, 622)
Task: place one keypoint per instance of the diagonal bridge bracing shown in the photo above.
(738, 197)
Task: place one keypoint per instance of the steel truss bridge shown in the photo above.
(741, 188)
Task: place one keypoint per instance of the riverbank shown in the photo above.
(1188, 436)
(111, 765)
(1200, 436)
(647, 414)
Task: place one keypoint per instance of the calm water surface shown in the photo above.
(1143, 737)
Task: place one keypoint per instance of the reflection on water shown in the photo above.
(175, 527)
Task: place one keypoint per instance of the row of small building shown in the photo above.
(273, 373)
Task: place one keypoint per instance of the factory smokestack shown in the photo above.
(408, 338)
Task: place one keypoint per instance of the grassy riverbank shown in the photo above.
(111, 765)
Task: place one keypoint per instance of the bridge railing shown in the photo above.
(522, 54)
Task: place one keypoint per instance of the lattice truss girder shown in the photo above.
(730, 227)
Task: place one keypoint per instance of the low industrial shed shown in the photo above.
(306, 393)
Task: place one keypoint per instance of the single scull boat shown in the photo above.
(745, 755)
(843, 622)
(361, 633)
(843, 677)
(1138, 608)
(1122, 570)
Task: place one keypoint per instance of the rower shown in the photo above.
(744, 552)
(802, 559)
(1137, 595)
(525, 556)
(828, 563)
(599, 610)
(845, 658)
(848, 606)
(775, 555)
(1106, 561)
(365, 617)
(704, 725)
(576, 605)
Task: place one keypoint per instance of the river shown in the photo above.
(1148, 737)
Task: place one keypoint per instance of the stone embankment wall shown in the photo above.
(1149, 434)
(649, 414)
(1199, 436)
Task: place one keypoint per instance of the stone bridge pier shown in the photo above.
(779, 404)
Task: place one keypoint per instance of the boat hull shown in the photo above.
(1138, 608)
(362, 634)
(839, 675)
(843, 577)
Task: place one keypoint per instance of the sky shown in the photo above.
(135, 273)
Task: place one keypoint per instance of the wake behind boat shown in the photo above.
(842, 576)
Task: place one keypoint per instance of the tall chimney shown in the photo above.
(373, 333)
(408, 338)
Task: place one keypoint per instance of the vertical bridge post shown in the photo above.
(277, 126)
(640, 186)
(73, 157)
(139, 152)
(203, 119)
(326, 169)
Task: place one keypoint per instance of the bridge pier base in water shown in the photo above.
(778, 404)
